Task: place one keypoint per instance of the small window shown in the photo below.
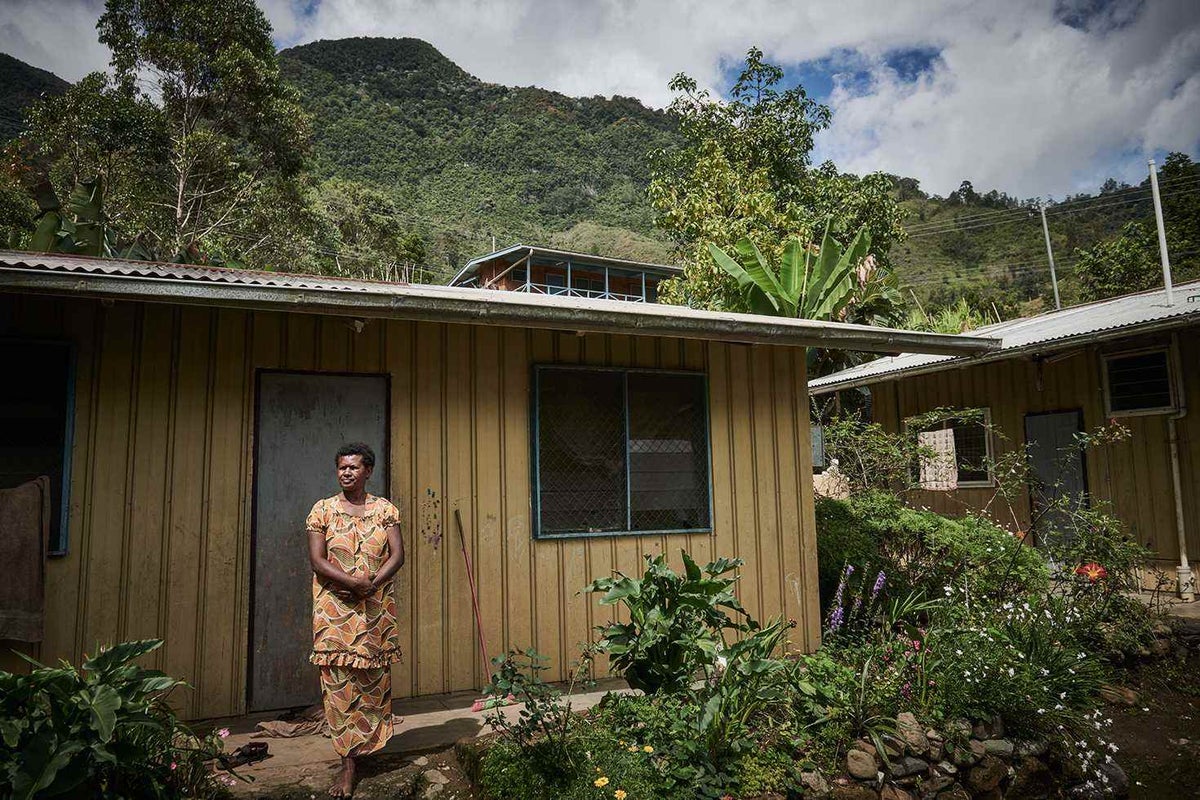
(620, 451)
(972, 452)
(36, 414)
(557, 283)
(1138, 383)
(651, 291)
(519, 276)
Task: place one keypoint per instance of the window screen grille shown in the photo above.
(971, 454)
(620, 451)
(1139, 382)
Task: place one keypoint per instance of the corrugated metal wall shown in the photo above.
(1135, 475)
(162, 484)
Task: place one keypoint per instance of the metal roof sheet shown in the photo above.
(181, 283)
(473, 265)
(1052, 330)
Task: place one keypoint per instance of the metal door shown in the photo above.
(302, 420)
(1057, 471)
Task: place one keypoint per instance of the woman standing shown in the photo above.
(355, 550)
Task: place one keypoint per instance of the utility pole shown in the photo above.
(1050, 255)
(1162, 235)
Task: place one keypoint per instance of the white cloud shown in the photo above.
(1018, 100)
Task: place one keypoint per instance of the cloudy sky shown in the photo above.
(1034, 97)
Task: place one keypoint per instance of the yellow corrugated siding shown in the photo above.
(1134, 475)
(162, 484)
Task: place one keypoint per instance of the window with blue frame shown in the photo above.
(620, 451)
(36, 414)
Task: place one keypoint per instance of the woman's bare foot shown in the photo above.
(343, 786)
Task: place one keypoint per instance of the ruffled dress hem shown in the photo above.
(347, 658)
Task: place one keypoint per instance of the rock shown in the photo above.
(433, 790)
(987, 775)
(913, 733)
(955, 792)
(853, 791)
(815, 784)
(1161, 648)
(866, 747)
(861, 765)
(959, 727)
(1036, 749)
(1118, 781)
(990, 794)
(908, 765)
(892, 746)
(947, 767)
(1118, 694)
(420, 761)
(890, 792)
(1033, 781)
(435, 776)
(991, 729)
(936, 784)
(1001, 748)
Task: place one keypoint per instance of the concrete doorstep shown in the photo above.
(307, 764)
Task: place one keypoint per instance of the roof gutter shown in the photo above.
(510, 309)
(997, 354)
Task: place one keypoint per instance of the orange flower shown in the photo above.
(1092, 571)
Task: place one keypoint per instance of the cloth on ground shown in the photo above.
(24, 537)
(309, 722)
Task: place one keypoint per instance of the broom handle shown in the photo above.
(462, 539)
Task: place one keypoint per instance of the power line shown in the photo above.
(1191, 187)
(1057, 208)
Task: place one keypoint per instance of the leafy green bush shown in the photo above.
(597, 764)
(105, 732)
(925, 551)
(841, 539)
(676, 622)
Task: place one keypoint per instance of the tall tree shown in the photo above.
(195, 137)
(745, 170)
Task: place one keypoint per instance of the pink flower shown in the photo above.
(223, 733)
(173, 765)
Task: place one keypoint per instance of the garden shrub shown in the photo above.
(103, 732)
(676, 622)
(922, 550)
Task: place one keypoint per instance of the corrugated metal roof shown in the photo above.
(181, 283)
(473, 265)
(1053, 330)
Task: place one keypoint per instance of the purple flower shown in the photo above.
(849, 571)
(880, 580)
(835, 619)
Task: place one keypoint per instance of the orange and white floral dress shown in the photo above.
(355, 641)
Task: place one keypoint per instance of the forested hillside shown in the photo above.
(466, 160)
(20, 85)
(990, 247)
(416, 161)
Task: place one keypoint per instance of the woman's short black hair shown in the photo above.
(357, 449)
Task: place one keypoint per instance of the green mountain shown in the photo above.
(467, 160)
(20, 85)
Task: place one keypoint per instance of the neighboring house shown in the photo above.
(1135, 359)
(539, 270)
(189, 416)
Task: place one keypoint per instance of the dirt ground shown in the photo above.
(1159, 733)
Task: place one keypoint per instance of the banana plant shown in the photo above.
(82, 228)
(810, 284)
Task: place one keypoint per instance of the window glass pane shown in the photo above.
(33, 419)
(556, 280)
(1139, 382)
(581, 451)
(518, 275)
(970, 450)
(668, 452)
